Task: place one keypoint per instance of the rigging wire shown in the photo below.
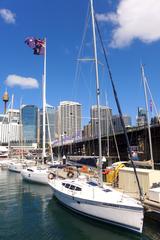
(113, 131)
(119, 110)
(77, 72)
(151, 97)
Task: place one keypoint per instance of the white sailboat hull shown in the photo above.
(5, 163)
(129, 217)
(35, 175)
(16, 167)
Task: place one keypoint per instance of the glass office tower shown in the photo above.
(30, 123)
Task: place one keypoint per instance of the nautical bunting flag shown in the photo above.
(37, 45)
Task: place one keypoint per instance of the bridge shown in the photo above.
(138, 137)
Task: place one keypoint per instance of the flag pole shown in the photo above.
(44, 105)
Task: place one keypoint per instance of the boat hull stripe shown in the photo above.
(101, 219)
(102, 204)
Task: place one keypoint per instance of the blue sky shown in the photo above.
(131, 33)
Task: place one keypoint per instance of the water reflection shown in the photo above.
(84, 228)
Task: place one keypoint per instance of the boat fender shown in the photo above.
(51, 176)
(70, 174)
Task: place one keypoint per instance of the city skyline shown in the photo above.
(63, 27)
(9, 110)
(62, 124)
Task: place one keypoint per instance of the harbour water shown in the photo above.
(29, 211)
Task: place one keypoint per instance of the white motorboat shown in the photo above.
(101, 203)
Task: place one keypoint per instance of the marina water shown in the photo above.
(29, 211)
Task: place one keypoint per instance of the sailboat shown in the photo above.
(91, 198)
(5, 159)
(17, 165)
(39, 174)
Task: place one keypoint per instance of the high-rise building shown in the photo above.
(9, 132)
(155, 120)
(50, 123)
(29, 115)
(87, 131)
(50, 111)
(117, 122)
(13, 115)
(142, 117)
(57, 124)
(105, 118)
(69, 115)
(10, 127)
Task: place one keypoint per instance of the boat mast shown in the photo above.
(49, 135)
(9, 125)
(120, 113)
(97, 93)
(146, 101)
(44, 104)
(108, 115)
(21, 132)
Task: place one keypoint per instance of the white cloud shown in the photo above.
(23, 82)
(7, 15)
(107, 17)
(134, 19)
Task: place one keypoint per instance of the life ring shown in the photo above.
(70, 174)
(51, 176)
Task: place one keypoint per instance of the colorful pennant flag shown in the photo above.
(37, 45)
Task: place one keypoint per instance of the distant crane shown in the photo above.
(5, 100)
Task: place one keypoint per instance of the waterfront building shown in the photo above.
(105, 116)
(9, 127)
(29, 115)
(13, 115)
(3, 118)
(87, 131)
(50, 111)
(117, 122)
(69, 118)
(9, 132)
(50, 123)
(155, 120)
(142, 117)
(57, 124)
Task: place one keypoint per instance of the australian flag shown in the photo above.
(38, 45)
